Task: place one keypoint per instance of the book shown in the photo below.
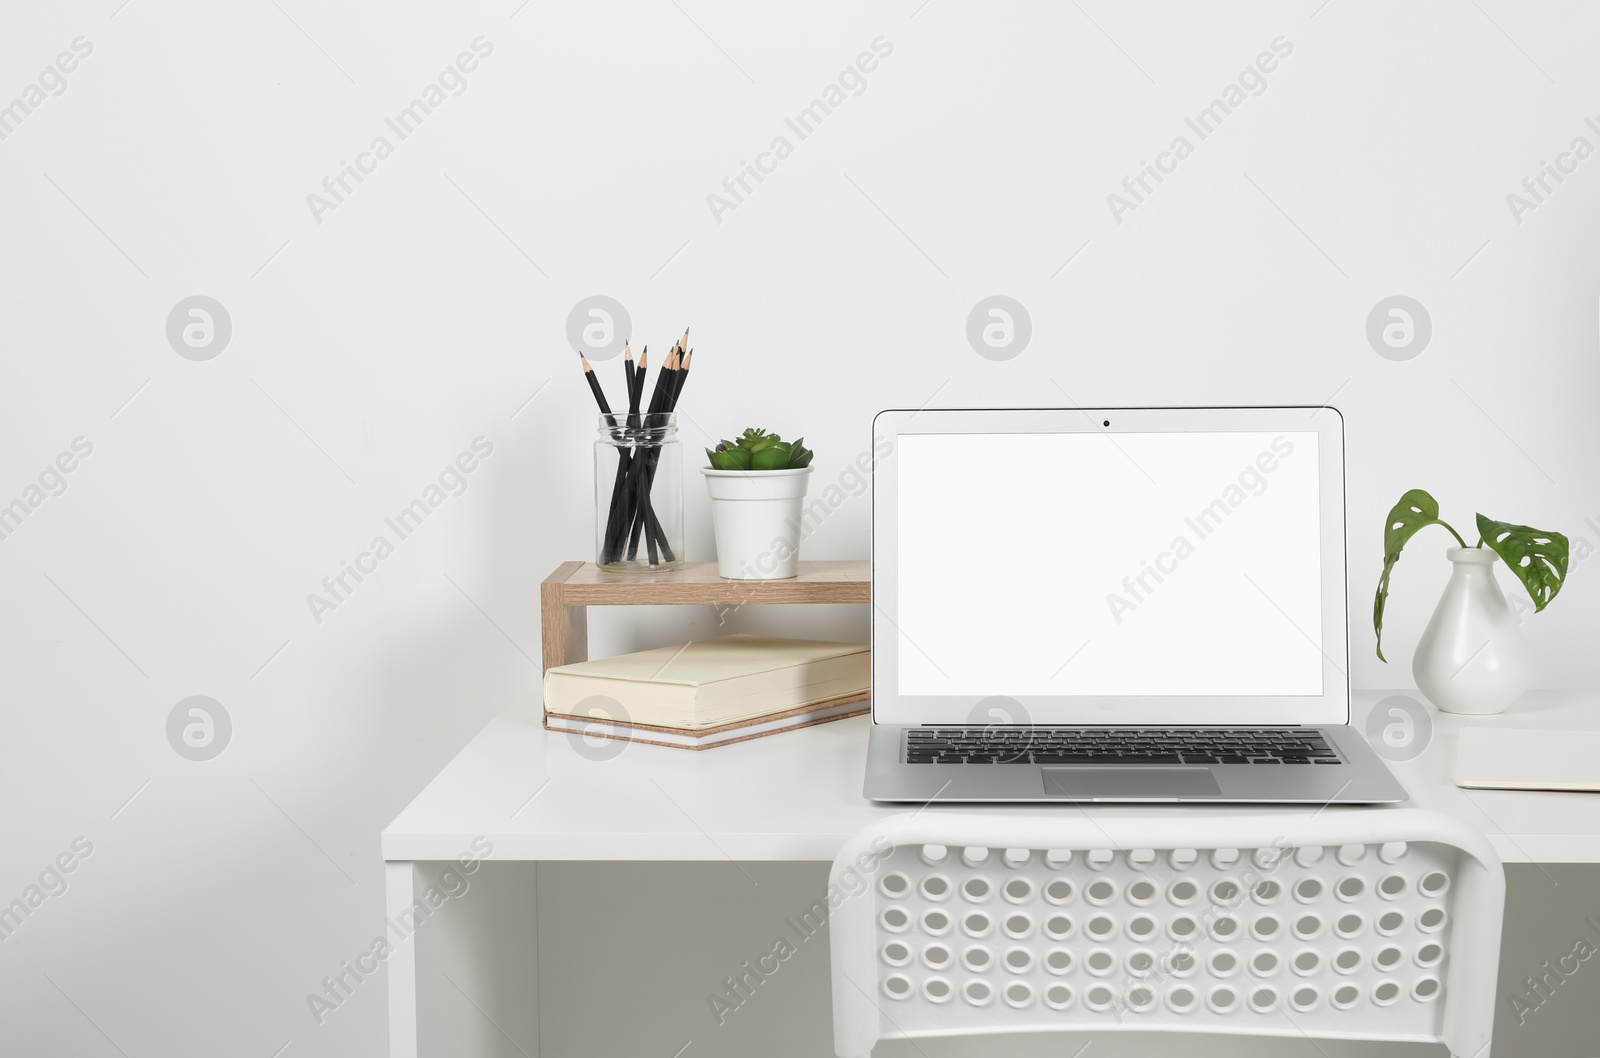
(1499, 758)
(710, 683)
(705, 738)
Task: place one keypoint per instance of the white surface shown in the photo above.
(797, 796)
(1528, 760)
(1034, 550)
(1064, 563)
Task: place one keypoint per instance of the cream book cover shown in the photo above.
(712, 681)
(1500, 758)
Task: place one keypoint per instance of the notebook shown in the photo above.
(706, 738)
(710, 683)
(1495, 758)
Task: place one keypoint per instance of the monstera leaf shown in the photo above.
(1538, 558)
(1416, 510)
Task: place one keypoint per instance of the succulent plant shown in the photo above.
(759, 450)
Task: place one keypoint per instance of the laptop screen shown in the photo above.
(1098, 564)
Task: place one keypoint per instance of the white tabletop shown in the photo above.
(797, 795)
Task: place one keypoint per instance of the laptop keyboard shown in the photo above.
(1056, 745)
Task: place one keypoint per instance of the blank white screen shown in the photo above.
(1146, 564)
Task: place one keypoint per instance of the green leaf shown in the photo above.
(757, 449)
(1416, 510)
(772, 457)
(1538, 558)
(754, 440)
(734, 458)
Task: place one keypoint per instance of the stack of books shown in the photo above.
(710, 692)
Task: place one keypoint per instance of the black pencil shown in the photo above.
(643, 471)
(638, 515)
(647, 518)
(627, 367)
(616, 517)
(594, 385)
(632, 514)
(668, 404)
(623, 492)
(642, 516)
(683, 376)
(665, 378)
(636, 391)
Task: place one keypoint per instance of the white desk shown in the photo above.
(797, 796)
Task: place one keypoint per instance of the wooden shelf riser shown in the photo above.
(565, 595)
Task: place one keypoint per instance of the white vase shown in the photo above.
(1471, 658)
(756, 515)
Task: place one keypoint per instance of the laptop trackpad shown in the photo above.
(1143, 783)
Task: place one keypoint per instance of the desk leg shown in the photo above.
(399, 884)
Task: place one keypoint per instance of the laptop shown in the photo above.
(1113, 604)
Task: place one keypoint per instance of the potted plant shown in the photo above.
(757, 485)
(1471, 658)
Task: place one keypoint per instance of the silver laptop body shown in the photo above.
(1113, 604)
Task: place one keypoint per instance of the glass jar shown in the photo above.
(638, 493)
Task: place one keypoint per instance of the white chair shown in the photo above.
(1373, 924)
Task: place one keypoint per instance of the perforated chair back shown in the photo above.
(1347, 924)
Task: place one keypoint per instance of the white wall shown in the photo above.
(369, 348)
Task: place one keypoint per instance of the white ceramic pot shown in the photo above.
(756, 515)
(1471, 658)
